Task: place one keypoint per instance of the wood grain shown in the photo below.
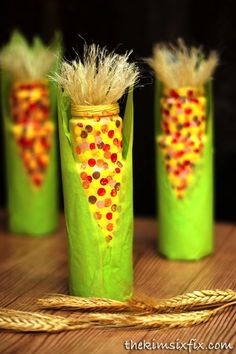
(30, 268)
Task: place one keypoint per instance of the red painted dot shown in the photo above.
(113, 157)
(101, 191)
(117, 170)
(106, 147)
(187, 124)
(89, 178)
(92, 146)
(109, 238)
(109, 216)
(174, 94)
(91, 162)
(111, 133)
(190, 93)
(188, 110)
(166, 112)
(103, 181)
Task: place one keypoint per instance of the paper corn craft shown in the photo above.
(29, 109)
(96, 160)
(184, 150)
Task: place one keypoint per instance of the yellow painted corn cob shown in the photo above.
(183, 125)
(97, 145)
(29, 103)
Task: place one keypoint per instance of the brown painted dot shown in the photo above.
(117, 123)
(113, 207)
(84, 134)
(119, 164)
(92, 199)
(89, 128)
(96, 174)
(117, 186)
(100, 145)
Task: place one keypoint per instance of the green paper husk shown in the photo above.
(185, 227)
(97, 269)
(31, 211)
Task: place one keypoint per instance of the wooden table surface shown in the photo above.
(31, 268)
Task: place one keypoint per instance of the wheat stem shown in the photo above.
(189, 301)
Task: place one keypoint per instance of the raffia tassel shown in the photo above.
(186, 302)
(35, 322)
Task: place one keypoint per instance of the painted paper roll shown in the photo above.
(29, 112)
(184, 145)
(96, 160)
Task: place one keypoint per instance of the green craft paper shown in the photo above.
(30, 211)
(97, 268)
(186, 226)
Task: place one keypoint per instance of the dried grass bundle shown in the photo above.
(98, 78)
(182, 66)
(36, 322)
(26, 62)
(186, 302)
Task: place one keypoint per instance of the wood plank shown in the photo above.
(30, 268)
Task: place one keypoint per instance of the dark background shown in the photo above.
(137, 25)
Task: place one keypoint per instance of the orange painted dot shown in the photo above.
(115, 141)
(83, 175)
(113, 192)
(109, 238)
(104, 128)
(110, 227)
(107, 202)
(100, 163)
(105, 165)
(98, 215)
(109, 216)
(78, 150)
(86, 184)
(107, 154)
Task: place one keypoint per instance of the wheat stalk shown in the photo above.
(196, 300)
(189, 301)
(37, 322)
